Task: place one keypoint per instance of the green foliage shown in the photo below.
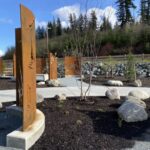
(145, 12)
(9, 53)
(106, 25)
(58, 27)
(136, 36)
(124, 11)
(93, 21)
(130, 68)
(40, 32)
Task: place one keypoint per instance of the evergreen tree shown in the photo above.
(73, 22)
(54, 27)
(124, 11)
(50, 29)
(81, 23)
(106, 25)
(58, 27)
(85, 24)
(40, 32)
(145, 11)
(93, 21)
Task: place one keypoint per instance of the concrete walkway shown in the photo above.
(72, 87)
(10, 95)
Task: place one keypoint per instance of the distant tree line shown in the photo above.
(127, 35)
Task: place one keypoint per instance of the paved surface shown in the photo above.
(10, 95)
(8, 148)
(72, 88)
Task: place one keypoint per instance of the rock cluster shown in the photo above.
(99, 68)
(134, 108)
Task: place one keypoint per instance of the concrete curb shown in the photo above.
(24, 140)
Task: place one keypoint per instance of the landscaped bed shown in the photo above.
(102, 80)
(72, 125)
(8, 84)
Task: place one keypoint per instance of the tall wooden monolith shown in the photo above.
(26, 66)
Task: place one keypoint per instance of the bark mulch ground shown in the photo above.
(72, 125)
(101, 80)
(7, 84)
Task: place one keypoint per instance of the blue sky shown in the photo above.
(46, 10)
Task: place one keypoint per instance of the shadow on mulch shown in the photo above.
(106, 122)
(8, 84)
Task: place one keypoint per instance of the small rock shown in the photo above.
(39, 98)
(54, 83)
(136, 100)
(114, 83)
(137, 83)
(132, 112)
(1, 105)
(113, 94)
(82, 76)
(139, 94)
(41, 83)
(61, 97)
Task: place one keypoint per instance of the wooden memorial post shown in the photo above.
(40, 65)
(52, 67)
(72, 66)
(26, 66)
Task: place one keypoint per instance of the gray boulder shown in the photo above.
(114, 83)
(113, 94)
(140, 94)
(1, 105)
(132, 112)
(136, 100)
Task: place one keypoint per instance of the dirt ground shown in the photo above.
(101, 80)
(73, 125)
(7, 84)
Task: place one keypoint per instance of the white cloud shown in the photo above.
(64, 12)
(1, 53)
(5, 21)
(40, 24)
(64, 24)
(109, 12)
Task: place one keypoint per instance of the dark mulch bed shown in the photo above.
(77, 126)
(101, 80)
(7, 84)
